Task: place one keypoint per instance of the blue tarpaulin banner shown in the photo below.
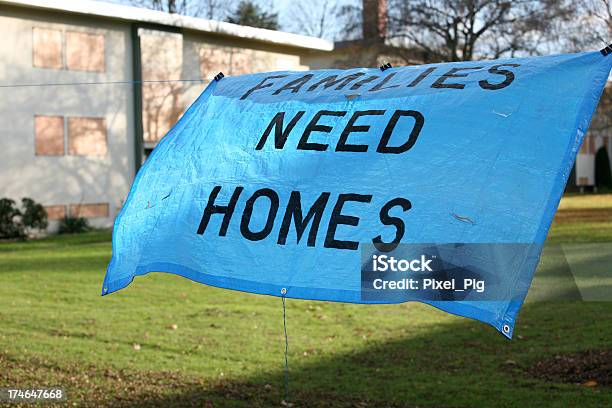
(344, 185)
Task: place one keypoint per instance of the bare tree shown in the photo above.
(349, 17)
(600, 13)
(210, 9)
(317, 20)
(455, 30)
(592, 29)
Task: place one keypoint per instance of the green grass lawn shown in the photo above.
(166, 341)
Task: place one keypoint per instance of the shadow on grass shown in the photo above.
(463, 364)
(459, 364)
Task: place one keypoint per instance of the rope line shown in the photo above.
(101, 83)
(286, 353)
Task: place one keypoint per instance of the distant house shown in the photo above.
(599, 137)
(76, 148)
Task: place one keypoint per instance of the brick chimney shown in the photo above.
(374, 20)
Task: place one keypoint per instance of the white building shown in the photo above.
(75, 148)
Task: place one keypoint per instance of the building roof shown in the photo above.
(136, 14)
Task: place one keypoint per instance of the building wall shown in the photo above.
(360, 53)
(71, 147)
(199, 57)
(350, 56)
(67, 147)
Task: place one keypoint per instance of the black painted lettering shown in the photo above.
(248, 213)
(337, 218)
(332, 80)
(381, 84)
(421, 77)
(226, 210)
(509, 77)
(397, 222)
(313, 126)
(419, 120)
(261, 85)
(280, 134)
(342, 145)
(295, 85)
(294, 212)
(453, 73)
(364, 81)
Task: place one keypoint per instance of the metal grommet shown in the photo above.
(506, 328)
(283, 291)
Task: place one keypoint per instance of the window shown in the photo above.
(87, 136)
(227, 60)
(47, 48)
(84, 51)
(588, 145)
(55, 212)
(89, 210)
(162, 102)
(49, 135)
